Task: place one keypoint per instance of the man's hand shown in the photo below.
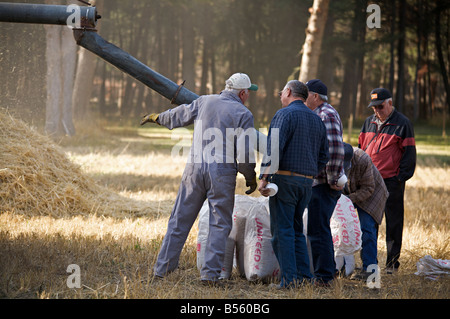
(150, 118)
(262, 188)
(253, 184)
(337, 188)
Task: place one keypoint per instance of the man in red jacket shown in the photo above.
(388, 138)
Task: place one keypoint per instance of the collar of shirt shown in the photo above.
(230, 95)
(296, 103)
(379, 122)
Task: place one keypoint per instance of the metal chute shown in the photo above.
(48, 14)
(87, 37)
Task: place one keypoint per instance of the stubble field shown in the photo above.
(115, 236)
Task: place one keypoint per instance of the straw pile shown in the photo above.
(37, 178)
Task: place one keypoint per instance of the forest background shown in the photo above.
(101, 196)
(204, 42)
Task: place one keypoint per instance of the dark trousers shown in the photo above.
(394, 213)
(286, 225)
(320, 209)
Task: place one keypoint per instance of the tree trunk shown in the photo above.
(188, 47)
(206, 59)
(400, 96)
(440, 55)
(418, 62)
(354, 63)
(360, 90)
(392, 48)
(313, 43)
(327, 56)
(84, 80)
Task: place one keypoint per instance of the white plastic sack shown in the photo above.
(248, 246)
(242, 206)
(348, 261)
(260, 262)
(308, 243)
(345, 228)
(432, 268)
(202, 237)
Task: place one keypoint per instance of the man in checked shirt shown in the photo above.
(325, 192)
(302, 153)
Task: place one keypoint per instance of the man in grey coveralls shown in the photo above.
(220, 122)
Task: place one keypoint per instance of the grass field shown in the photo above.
(116, 252)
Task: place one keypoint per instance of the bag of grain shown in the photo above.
(346, 233)
(235, 239)
(433, 268)
(242, 206)
(202, 237)
(260, 262)
(345, 228)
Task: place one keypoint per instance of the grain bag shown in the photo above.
(260, 262)
(202, 236)
(346, 233)
(248, 246)
(242, 207)
(345, 228)
(433, 268)
(235, 241)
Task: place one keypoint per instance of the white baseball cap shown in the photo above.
(240, 81)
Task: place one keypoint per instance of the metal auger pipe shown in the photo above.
(48, 14)
(122, 60)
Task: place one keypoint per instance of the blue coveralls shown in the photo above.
(210, 173)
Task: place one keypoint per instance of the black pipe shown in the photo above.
(47, 14)
(122, 60)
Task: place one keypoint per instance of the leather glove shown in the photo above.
(253, 184)
(150, 118)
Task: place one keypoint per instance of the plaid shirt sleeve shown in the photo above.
(334, 129)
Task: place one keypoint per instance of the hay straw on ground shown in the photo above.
(37, 178)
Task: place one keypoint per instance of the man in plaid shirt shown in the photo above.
(325, 192)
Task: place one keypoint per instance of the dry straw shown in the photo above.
(37, 178)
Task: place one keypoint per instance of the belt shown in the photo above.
(288, 173)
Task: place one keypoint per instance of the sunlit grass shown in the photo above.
(116, 253)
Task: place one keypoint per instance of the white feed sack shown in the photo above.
(347, 234)
(202, 237)
(235, 240)
(242, 207)
(260, 262)
(248, 246)
(345, 228)
(433, 268)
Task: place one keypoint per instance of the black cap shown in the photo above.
(348, 150)
(378, 96)
(317, 86)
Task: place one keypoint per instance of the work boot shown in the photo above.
(361, 275)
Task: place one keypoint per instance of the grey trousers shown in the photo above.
(200, 182)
